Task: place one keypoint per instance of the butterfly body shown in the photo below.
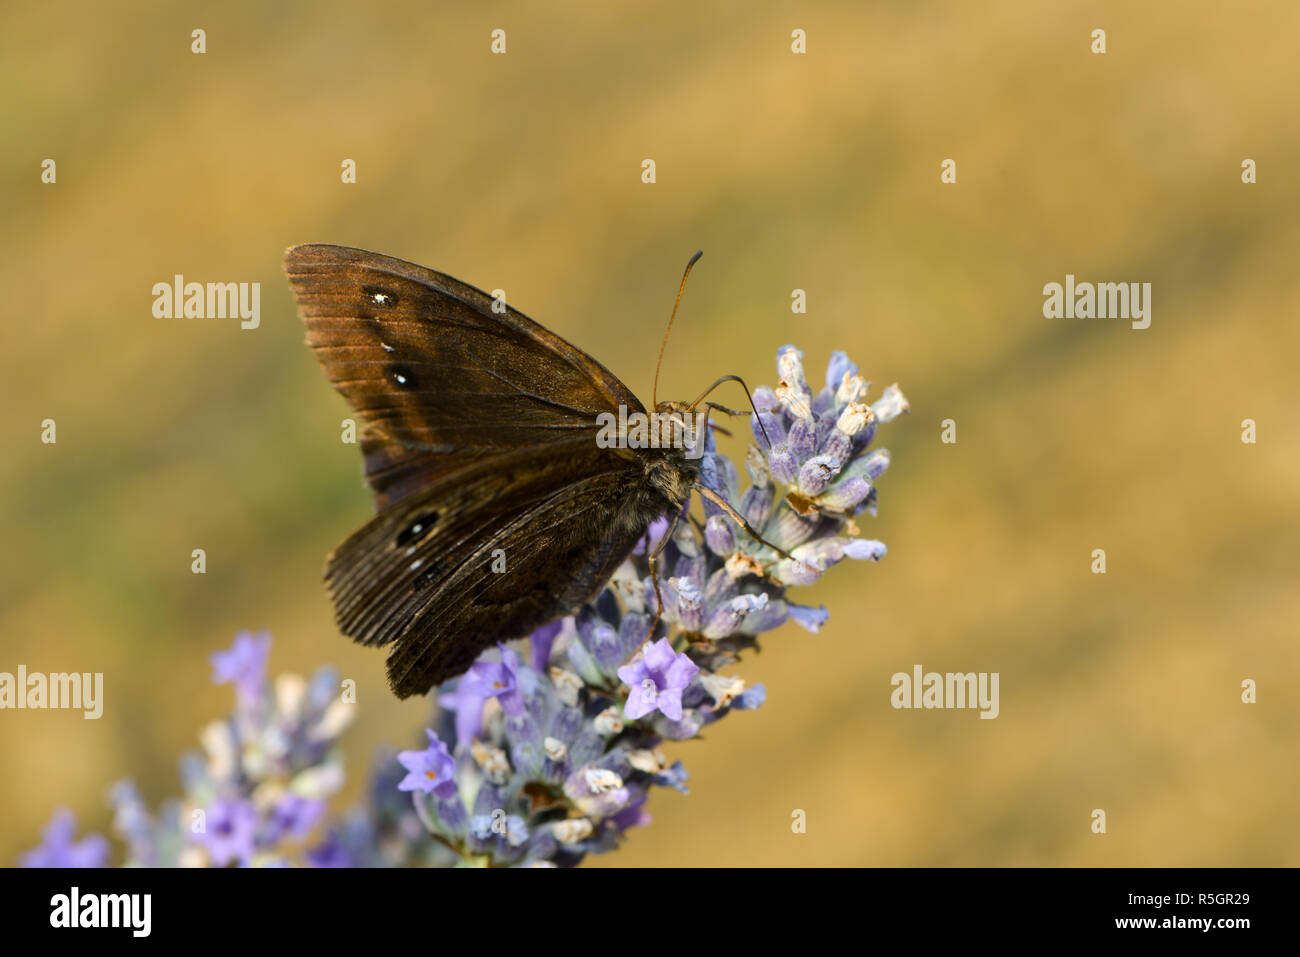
(498, 510)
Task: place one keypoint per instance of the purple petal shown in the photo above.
(659, 657)
(865, 548)
(540, 645)
(680, 673)
(670, 703)
(811, 619)
(633, 674)
(639, 703)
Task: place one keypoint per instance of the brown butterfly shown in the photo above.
(498, 509)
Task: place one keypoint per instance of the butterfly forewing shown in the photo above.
(437, 376)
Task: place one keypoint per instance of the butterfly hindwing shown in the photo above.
(533, 560)
(405, 557)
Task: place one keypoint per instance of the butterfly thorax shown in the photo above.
(671, 474)
(669, 451)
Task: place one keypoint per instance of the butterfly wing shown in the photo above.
(488, 556)
(498, 511)
(438, 372)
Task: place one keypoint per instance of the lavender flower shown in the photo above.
(495, 679)
(244, 664)
(58, 849)
(808, 486)
(261, 783)
(431, 770)
(229, 829)
(293, 817)
(555, 753)
(657, 678)
(563, 766)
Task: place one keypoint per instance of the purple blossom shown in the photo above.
(810, 619)
(58, 849)
(431, 770)
(489, 679)
(332, 852)
(751, 698)
(496, 679)
(657, 680)
(244, 664)
(865, 548)
(228, 831)
(293, 817)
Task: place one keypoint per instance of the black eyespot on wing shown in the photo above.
(420, 526)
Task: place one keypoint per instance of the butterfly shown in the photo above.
(498, 507)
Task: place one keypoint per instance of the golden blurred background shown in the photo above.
(818, 171)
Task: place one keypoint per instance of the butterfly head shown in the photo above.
(680, 426)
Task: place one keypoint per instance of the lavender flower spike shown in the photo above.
(555, 752)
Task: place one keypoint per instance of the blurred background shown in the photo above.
(819, 172)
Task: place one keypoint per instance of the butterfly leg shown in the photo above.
(739, 519)
(725, 411)
(712, 407)
(653, 560)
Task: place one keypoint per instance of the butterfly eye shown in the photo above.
(420, 526)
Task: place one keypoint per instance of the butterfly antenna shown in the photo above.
(654, 394)
(735, 378)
